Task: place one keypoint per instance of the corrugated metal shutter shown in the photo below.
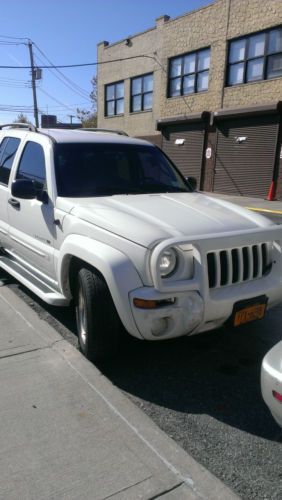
(154, 139)
(187, 157)
(245, 155)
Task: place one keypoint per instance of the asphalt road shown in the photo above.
(203, 391)
(277, 218)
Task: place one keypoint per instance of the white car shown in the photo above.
(109, 223)
(271, 381)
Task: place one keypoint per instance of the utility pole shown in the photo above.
(71, 117)
(33, 83)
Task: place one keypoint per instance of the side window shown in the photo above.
(8, 149)
(32, 165)
(3, 145)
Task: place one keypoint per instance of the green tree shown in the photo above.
(88, 118)
(21, 118)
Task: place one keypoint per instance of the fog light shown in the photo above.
(159, 326)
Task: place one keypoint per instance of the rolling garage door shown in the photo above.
(245, 155)
(187, 156)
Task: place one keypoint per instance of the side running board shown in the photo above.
(44, 291)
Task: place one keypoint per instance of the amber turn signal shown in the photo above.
(152, 304)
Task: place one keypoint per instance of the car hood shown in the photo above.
(148, 218)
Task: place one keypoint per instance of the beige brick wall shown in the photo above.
(211, 26)
(199, 29)
(249, 94)
(248, 17)
(141, 123)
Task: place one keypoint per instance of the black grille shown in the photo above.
(237, 265)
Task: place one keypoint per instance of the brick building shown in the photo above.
(207, 88)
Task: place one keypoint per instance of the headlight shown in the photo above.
(167, 262)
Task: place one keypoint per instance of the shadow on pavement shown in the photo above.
(217, 373)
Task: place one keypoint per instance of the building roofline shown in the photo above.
(129, 37)
(167, 20)
(191, 12)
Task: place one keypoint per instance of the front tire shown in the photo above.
(98, 324)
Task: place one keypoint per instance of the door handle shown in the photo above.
(15, 203)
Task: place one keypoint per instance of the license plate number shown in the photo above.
(250, 313)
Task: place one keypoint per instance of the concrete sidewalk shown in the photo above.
(67, 433)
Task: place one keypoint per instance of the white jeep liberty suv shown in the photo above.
(109, 222)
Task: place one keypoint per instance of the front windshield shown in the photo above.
(104, 169)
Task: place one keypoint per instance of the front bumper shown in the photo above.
(167, 321)
(199, 305)
(193, 312)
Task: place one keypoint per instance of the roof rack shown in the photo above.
(28, 126)
(106, 130)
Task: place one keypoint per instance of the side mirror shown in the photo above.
(24, 189)
(192, 183)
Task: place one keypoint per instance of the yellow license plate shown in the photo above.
(250, 313)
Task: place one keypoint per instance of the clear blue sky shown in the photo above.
(67, 32)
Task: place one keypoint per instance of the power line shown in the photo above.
(80, 65)
(15, 108)
(13, 86)
(12, 83)
(72, 83)
(57, 66)
(29, 109)
(14, 37)
(64, 79)
(80, 94)
(56, 100)
(13, 80)
(10, 43)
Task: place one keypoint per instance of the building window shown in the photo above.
(142, 93)
(189, 73)
(255, 57)
(114, 99)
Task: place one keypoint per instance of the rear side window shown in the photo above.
(8, 149)
(32, 165)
